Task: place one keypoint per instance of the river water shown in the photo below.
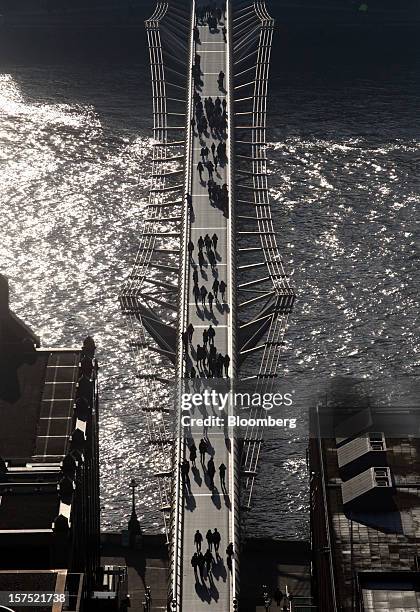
(75, 146)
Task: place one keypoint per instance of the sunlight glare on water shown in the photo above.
(75, 146)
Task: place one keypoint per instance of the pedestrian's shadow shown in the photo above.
(219, 570)
(215, 271)
(227, 501)
(197, 476)
(212, 318)
(226, 308)
(190, 502)
(218, 257)
(215, 498)
(207, 480)
(204, 274)
(200, 314)
(214, 593)
(203, 592)
(210, 448)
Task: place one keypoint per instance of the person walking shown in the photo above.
(201, 260)
(201, 565)
(194, 563)
(185, 469)
(185, 341)
(215, 288)
(229, 555)
(212, 362)
(212, 260)
(198, 538)
(196, 293)
(203, 294)
(220, 80)
(193, 454)
(200, 169)
(209, 538)
(200, 243)
(199, 355)
(197, 36)
(216, 541)
(219, 365)
(222, 287)
(211, 335)
(213, 150)
(204, 153)
(195, 276)
(214, 240)
(190, 330)
(226, 363)
(193, 372)
(211, 470)
(205, 337)
(208, 558)
(191, 250)
(207, 242)
(210, 298)
(202, 447)
(222, 474)
(210, 168)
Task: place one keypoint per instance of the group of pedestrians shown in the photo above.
(208, 335)
(208, 243)
(201, 294)
(214, 112)
(209, 469)
(211, 15)
(218, 196)
(203, 448)
(203, 564)
(210, 363)
(211, 115)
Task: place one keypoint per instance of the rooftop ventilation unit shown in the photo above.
(374, 483)
(361, 453)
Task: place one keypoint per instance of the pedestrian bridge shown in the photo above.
(208, 300)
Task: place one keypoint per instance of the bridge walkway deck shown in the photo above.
(207, 507)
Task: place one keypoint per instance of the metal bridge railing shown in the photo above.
(142, 287)
(253, 40)
(179, 450)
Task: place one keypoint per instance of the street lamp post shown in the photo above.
(133, 485)
(134, 529)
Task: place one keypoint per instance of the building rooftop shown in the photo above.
(380, 536)
(47, 581)
(37, 405)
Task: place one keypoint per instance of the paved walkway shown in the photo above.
(207, 508)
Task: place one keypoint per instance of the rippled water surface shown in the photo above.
(75, 144)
